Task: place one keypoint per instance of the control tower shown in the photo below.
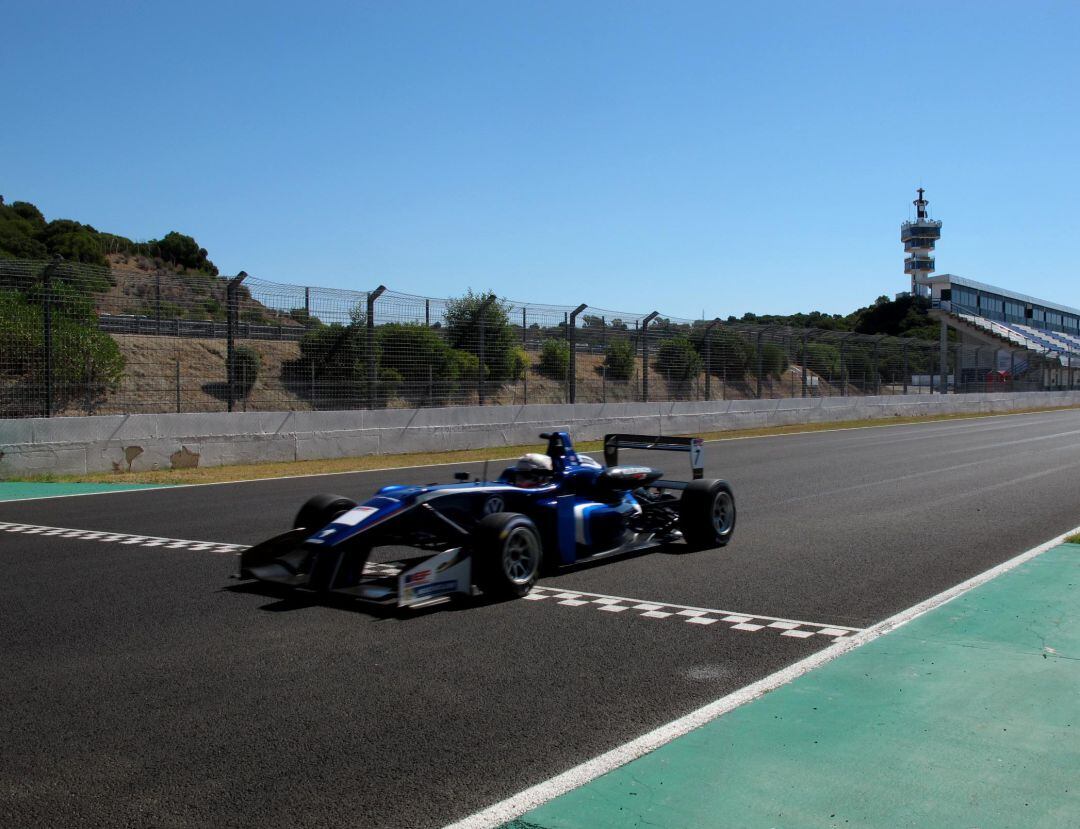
(919, 237)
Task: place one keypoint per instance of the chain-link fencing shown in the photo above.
(77, 339)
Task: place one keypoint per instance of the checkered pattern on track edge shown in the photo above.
(694, 616)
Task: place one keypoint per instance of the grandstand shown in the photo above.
(1008, 332)
(1005, 333)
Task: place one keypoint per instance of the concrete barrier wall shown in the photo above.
(73, 445)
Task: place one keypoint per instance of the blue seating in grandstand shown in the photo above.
(1052, 340)
(1051, 343)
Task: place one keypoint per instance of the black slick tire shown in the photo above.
(507, 555)
(319, 511)
(707, 514)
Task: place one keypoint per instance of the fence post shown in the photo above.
(603, 365)
(481, 315)
(157, 300)
(645, 355)
(905, 368)
(307, 302)
(805, 382)
(843, 368)
(760, 361)
(46, 278)
(232, 301)
(877, 371)
(944, 344)
(525, 349)
(956, 367)
(178, 385)
(708, 357)
(572, 337)
(427, 313)
(789, 351)
(369, 345)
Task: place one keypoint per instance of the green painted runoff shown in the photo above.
(968, 716)
(15, 491)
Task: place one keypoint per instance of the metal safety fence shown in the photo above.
(77, 339)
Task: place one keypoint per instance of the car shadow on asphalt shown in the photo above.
(287, 600)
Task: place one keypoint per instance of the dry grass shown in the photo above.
(218, 474)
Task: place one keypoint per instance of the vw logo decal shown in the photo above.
(493, 504)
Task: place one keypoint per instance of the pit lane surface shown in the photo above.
(140, 690)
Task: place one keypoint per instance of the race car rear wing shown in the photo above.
(695, 446)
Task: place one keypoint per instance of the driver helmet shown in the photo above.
(532, 469)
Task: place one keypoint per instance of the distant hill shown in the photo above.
(906, 316)
(168, 278)
(26, 234)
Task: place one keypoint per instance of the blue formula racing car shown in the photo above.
(548, 510)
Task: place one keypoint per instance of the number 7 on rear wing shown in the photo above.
(695, 447)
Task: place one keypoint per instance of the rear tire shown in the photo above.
(321, 510)
(707, 514)
(507, 555)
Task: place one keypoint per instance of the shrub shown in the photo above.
(519, 364)
(678, 360)
(619, 360)
(332, 367)
(823, 359)
(246, 365)
(730, 355)
(774, 359)
(86, 361)
(555, 359)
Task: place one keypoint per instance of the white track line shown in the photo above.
(145, 487)
(530, 798)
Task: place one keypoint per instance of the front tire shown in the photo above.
(319, 511)
(507, 555)
(707, 514)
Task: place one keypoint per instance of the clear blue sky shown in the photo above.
(684, 156)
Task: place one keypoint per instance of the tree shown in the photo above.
(75, 242)
(19, 231)
(467, 317)
(184, 251)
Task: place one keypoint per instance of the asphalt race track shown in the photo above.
(142, 688)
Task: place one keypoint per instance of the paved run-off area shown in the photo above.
(967, 716)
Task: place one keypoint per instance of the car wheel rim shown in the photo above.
(521, 554)
(723, 512)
